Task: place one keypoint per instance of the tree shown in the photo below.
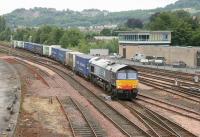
(162, 21)
(106, 32)
(195, 40)
(5, 35)
(134, 23)
(2, 24)
(71, 38)
(54, 36)
(182, 34)
(5, 32)
(181, 23)
(154, 16)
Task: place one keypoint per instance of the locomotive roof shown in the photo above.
(109, 65)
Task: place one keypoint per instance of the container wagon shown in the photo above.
(82, 64)
(28, 46)
(20, 44)
(14, 44)
(54, 53)
(59, 54)
(70, 59)
(38, 49)
(47, 49)
(62, 55)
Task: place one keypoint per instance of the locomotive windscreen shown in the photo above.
(131, 74)
(128, 74)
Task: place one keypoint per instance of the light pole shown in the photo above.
(30, 38)
(11, 39)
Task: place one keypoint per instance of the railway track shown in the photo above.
(156, 129)
(171, 88)
(182, 88)
(27, 54)
(169, 79)
(150, 122)
(170, 73)
(120, 121)
(79, 120)
(170, 107)
(161, 125)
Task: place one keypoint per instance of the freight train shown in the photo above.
(118, 79)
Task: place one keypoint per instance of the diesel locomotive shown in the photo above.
(119, 79)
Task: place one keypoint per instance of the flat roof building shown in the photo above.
(129, 39)
(156, 43)
(145, 37)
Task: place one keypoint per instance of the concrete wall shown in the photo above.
(172, 54)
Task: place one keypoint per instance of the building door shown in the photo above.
(198, 58)
(124, 52)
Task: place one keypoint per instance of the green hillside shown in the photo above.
(67, 18)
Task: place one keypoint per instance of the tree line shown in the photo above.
(52, 35)
(185, 27)
(185, 32)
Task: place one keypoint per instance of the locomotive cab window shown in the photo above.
(131, 74)
(92, 68)
(121, 75)
(128, 74)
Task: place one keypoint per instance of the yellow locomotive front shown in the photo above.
(127, 83)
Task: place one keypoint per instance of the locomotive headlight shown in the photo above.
(118, 86)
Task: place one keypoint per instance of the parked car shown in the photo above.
(151, 59)
(148, 60)
(115, 55)
(159, 61)
(144, 61)
(179, 64)
(138, 57)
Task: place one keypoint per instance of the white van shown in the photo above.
(138, 57)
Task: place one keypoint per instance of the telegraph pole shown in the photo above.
(11, 39)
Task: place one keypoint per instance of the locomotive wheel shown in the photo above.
(108, 88)
(114, 95)
(104, 87)
(134, 94)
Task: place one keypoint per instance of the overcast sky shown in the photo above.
(7, 6)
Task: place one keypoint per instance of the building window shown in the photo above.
(165, 37)
(143, 37)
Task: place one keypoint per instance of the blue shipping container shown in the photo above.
(54, 53)
(38, 48)
(29, 46)
(82, 64)
(59, 54)
(62, 55)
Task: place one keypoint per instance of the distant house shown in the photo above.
(105, 37)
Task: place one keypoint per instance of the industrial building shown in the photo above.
(156, 43)
(99, 52)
